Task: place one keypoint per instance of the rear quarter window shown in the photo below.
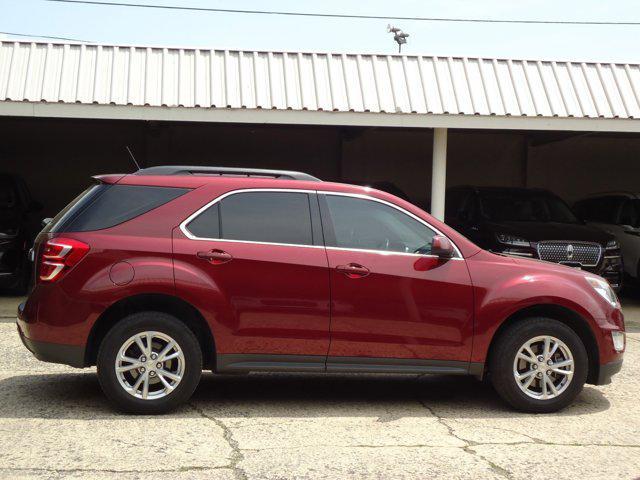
(105, 206)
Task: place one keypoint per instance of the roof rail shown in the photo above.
(226, 171)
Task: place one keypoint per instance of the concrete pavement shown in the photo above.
(55, 423)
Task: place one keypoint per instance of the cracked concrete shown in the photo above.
(468, 445)
(55, 423)
(237, 455)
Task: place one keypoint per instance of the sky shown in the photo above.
(143, 26)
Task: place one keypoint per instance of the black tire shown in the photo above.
(501, 364)
(124, 330)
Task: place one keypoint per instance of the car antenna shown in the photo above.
(132, 157)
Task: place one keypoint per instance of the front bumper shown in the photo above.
(607, 371)
(72, 355)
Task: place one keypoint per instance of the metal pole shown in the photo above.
(439, 172)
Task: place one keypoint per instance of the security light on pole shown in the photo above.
(398, 35)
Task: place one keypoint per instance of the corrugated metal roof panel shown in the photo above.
(104, 74)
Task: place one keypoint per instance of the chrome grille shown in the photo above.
(584, 253)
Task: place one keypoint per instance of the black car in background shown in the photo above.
(533, 223)
(18, 227)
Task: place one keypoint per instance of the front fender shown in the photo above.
(503, 288)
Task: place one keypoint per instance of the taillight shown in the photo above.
(59, 255)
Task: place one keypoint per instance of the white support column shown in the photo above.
(439, 172)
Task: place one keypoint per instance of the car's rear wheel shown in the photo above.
(538, 365)
(149, 363)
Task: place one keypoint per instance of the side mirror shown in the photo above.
(46, 221)
(442, 247)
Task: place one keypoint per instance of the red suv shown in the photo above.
(156, 275)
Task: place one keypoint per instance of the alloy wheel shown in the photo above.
(150, 365)
(543, 367)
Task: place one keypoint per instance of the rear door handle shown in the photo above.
(353, 270)
(215, 256)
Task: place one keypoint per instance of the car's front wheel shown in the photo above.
(149, 363)
(538, 365)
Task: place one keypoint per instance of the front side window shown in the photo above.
(269, 217)
(366, 224)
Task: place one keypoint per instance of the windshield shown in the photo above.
(525, 207)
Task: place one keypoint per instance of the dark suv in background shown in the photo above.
(533, 223)
(18, 227)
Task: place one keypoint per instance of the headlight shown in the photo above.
(513, 240)
(612, 245)
(618, 340)
(603, 288)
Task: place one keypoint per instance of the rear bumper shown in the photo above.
(72, 355)
(607, 371)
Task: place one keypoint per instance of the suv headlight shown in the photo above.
(513, 240)
(612, 245)
(603, 288)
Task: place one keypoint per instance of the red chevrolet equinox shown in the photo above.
(154, 276)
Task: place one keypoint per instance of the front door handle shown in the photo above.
(353, 270)
(215, 256)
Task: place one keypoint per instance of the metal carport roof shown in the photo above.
(109, 81)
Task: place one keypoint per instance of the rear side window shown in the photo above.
(207, 224)
(270, 217)
(103, 206)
